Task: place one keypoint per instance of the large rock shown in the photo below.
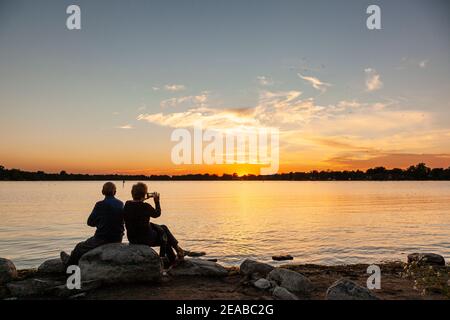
(121, 263)
(252, 268)
(8, 271)
(345, 289)
(290, 280)
(198, 267)
(423, 259)
(31, 287)
(281, 293)
(262, 284)
(52, 266)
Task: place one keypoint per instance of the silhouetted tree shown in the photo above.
(417, 172)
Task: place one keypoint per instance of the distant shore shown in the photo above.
(419, 172)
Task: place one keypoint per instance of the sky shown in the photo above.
(106, 98)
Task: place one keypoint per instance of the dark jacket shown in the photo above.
(107, 217)
(137, 221)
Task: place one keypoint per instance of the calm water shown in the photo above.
(317, 222)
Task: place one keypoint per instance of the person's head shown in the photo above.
(109, 189)
(139, 191)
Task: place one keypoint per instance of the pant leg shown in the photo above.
(82, 248)
(166, 241)
(171, 240)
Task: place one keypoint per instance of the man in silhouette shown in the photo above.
(107, 217)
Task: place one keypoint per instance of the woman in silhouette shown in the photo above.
(137, 214)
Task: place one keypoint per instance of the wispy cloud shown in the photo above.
(174, 87)
(410, 62)
(423, 63)
(373, 80)
(265, 81)
(315, 82)
(333, 135)
(198, 100)
(125, 127)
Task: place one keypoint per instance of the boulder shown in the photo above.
(262, 284)
(8, 271)
(52, 266)
(345, 289)
(252, 268)
(423, 259)
(290, 280)
(198, 267)
(281, 293)
(121, 263)
(31, 287)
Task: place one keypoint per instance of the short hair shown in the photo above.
(109, 189)
(139, 191)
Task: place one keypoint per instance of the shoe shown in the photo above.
(194, 254)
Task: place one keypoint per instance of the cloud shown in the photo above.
(156, 88)
(392, 160)
(199, 100)
(423, 63)
(174, 87)
(265, 81)
(406, 62)
(125, 127)
(373, 80)
(316, 83)
(208, 117)
(320, 136)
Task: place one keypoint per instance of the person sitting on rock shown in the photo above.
(107, 217)
(137, 214)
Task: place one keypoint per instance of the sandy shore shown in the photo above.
(398, 282)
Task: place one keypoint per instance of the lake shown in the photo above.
(316, 222)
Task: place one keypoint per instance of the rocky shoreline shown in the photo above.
(121, 271)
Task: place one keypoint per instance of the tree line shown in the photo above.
(414, 172)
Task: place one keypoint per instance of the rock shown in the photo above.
(291, 280)
(4, 292)
(283, 257)
(345, 289)
(198, 267)
(31, 287)
(121, 263)
(78, 296)
(52, 266)
(254, 268)
(62, 291)
(262, 284)
(423, 259)
(283, 294)
(8, 271)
